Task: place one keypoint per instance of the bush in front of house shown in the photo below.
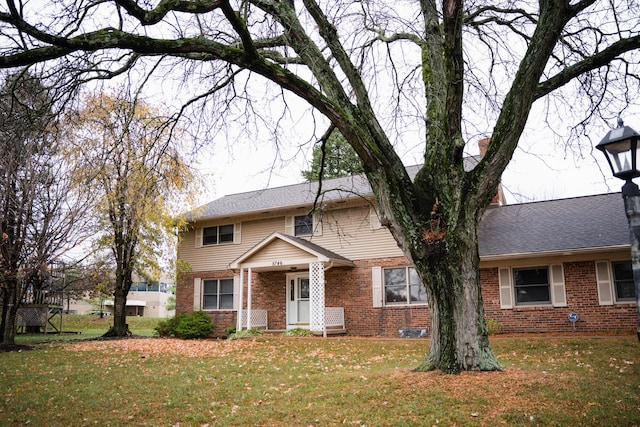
(186, 326)
(297, 332)
(245, 333)
(167, 328)
(230, 330)
(494, 327)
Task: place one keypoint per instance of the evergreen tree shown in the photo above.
(333, 157)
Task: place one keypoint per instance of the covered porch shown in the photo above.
(300, 265)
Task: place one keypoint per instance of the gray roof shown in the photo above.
(284, 197)
(562, 225)
(296, 195)
(317, 248)
(571, 224)
(303, 244)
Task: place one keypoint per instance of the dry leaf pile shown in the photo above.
(146, 346)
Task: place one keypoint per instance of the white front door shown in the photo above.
(297, 300)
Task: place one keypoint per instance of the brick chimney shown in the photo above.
(498, 199)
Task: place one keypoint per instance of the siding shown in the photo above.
(277, 250)
(346, 231)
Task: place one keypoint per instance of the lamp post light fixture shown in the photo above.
(620, 147)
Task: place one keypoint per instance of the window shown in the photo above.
(532, 286)
(303, 225)
(139, 286)
(402, 286)
(217, 294)
(217, 235)
(623, 281)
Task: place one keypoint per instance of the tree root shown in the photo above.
(113, 332)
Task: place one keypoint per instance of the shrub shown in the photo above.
(297, 332)
(230, 330)
(167, 328)
(494, 327)
(245, 333)
(187, 326)
(195, 325)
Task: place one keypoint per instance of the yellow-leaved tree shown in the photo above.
(130, 165)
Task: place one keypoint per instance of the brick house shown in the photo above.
(336, 269)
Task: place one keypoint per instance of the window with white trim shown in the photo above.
(531, 286)
(403, 286)
(217, 294)
(623, 283)
(615, 282)
(303, 225)
(217, 235)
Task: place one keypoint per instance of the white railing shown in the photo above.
(258, 318)
(334, 317)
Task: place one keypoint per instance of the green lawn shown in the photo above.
(88, 326)
(297, 381)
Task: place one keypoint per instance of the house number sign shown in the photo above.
(275, 263)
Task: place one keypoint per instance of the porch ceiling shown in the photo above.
(283, 252)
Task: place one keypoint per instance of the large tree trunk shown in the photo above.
(459, 339)
(123, 285)
(437, 231)
(10, 313)
(120, 327)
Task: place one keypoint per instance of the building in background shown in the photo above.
(144, 300)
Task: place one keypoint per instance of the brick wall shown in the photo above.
(345, 287)
(351, 288)
(582, 297)
(354, 292)
(184, 299)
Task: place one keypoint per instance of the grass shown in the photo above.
(302, 381)
(89, 326)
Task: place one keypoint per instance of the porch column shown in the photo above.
(249, 298)
(316, 298)
(240, 291)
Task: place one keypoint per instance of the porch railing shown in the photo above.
(334, 317)
(258, 318)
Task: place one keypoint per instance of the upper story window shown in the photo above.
(403, 286)
(138, 287)
(217, 235)
(531, 286)
(623, 281)
(303, 225)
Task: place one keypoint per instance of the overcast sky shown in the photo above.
(540, 169)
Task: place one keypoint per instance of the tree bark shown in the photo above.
(9, 314)
(120, 327)
(459, 336)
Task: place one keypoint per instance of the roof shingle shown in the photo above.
(597, 221)
(569, 224)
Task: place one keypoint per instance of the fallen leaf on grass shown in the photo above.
(154, 346)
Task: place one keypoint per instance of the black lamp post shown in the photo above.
(620, 146)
